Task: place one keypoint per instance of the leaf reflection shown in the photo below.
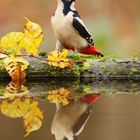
(15, 108)
(59, 96)
(12, 91)
(33, 118)
(26, 109)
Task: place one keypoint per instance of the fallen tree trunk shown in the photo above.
(93, 68)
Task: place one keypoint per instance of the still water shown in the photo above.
(70, 110)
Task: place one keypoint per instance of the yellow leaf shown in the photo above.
(12, 62)
(32, 29)
(16, 68)
(59, 59)
(29, 40)
(12, 41)
(33, 119)
(62, 65)
(34, 37)
(64, 54)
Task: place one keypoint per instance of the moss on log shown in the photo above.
(93, 68)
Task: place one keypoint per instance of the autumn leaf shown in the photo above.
(34, 37)
(23, 64)
(32, 30)
(28, 40)
(59, 96)
(16, 68)
(12, 41)
(33, 119)
(59, 59)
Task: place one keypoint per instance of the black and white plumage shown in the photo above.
(69, 28)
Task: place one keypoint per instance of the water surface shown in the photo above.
(78, 109)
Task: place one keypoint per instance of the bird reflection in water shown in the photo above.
(70, 120)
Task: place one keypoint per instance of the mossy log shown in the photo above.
(92, 68)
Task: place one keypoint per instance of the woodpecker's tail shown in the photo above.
(91, 50)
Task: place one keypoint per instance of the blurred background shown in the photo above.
(115, 25)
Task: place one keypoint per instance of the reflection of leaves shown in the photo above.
(12, 91)
(59, 59)
(27, 109)
(16, 108)
(81, 90)
(33, 119)
(59, 96)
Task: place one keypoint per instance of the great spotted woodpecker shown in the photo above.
(70, 31)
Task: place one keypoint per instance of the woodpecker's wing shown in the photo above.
(79, 27)
(79, 126)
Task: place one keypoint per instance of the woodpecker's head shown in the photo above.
(68, 5)
(66, 1)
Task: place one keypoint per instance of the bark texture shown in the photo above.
(93, 68)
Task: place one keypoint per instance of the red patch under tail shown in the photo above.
(91, 50)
